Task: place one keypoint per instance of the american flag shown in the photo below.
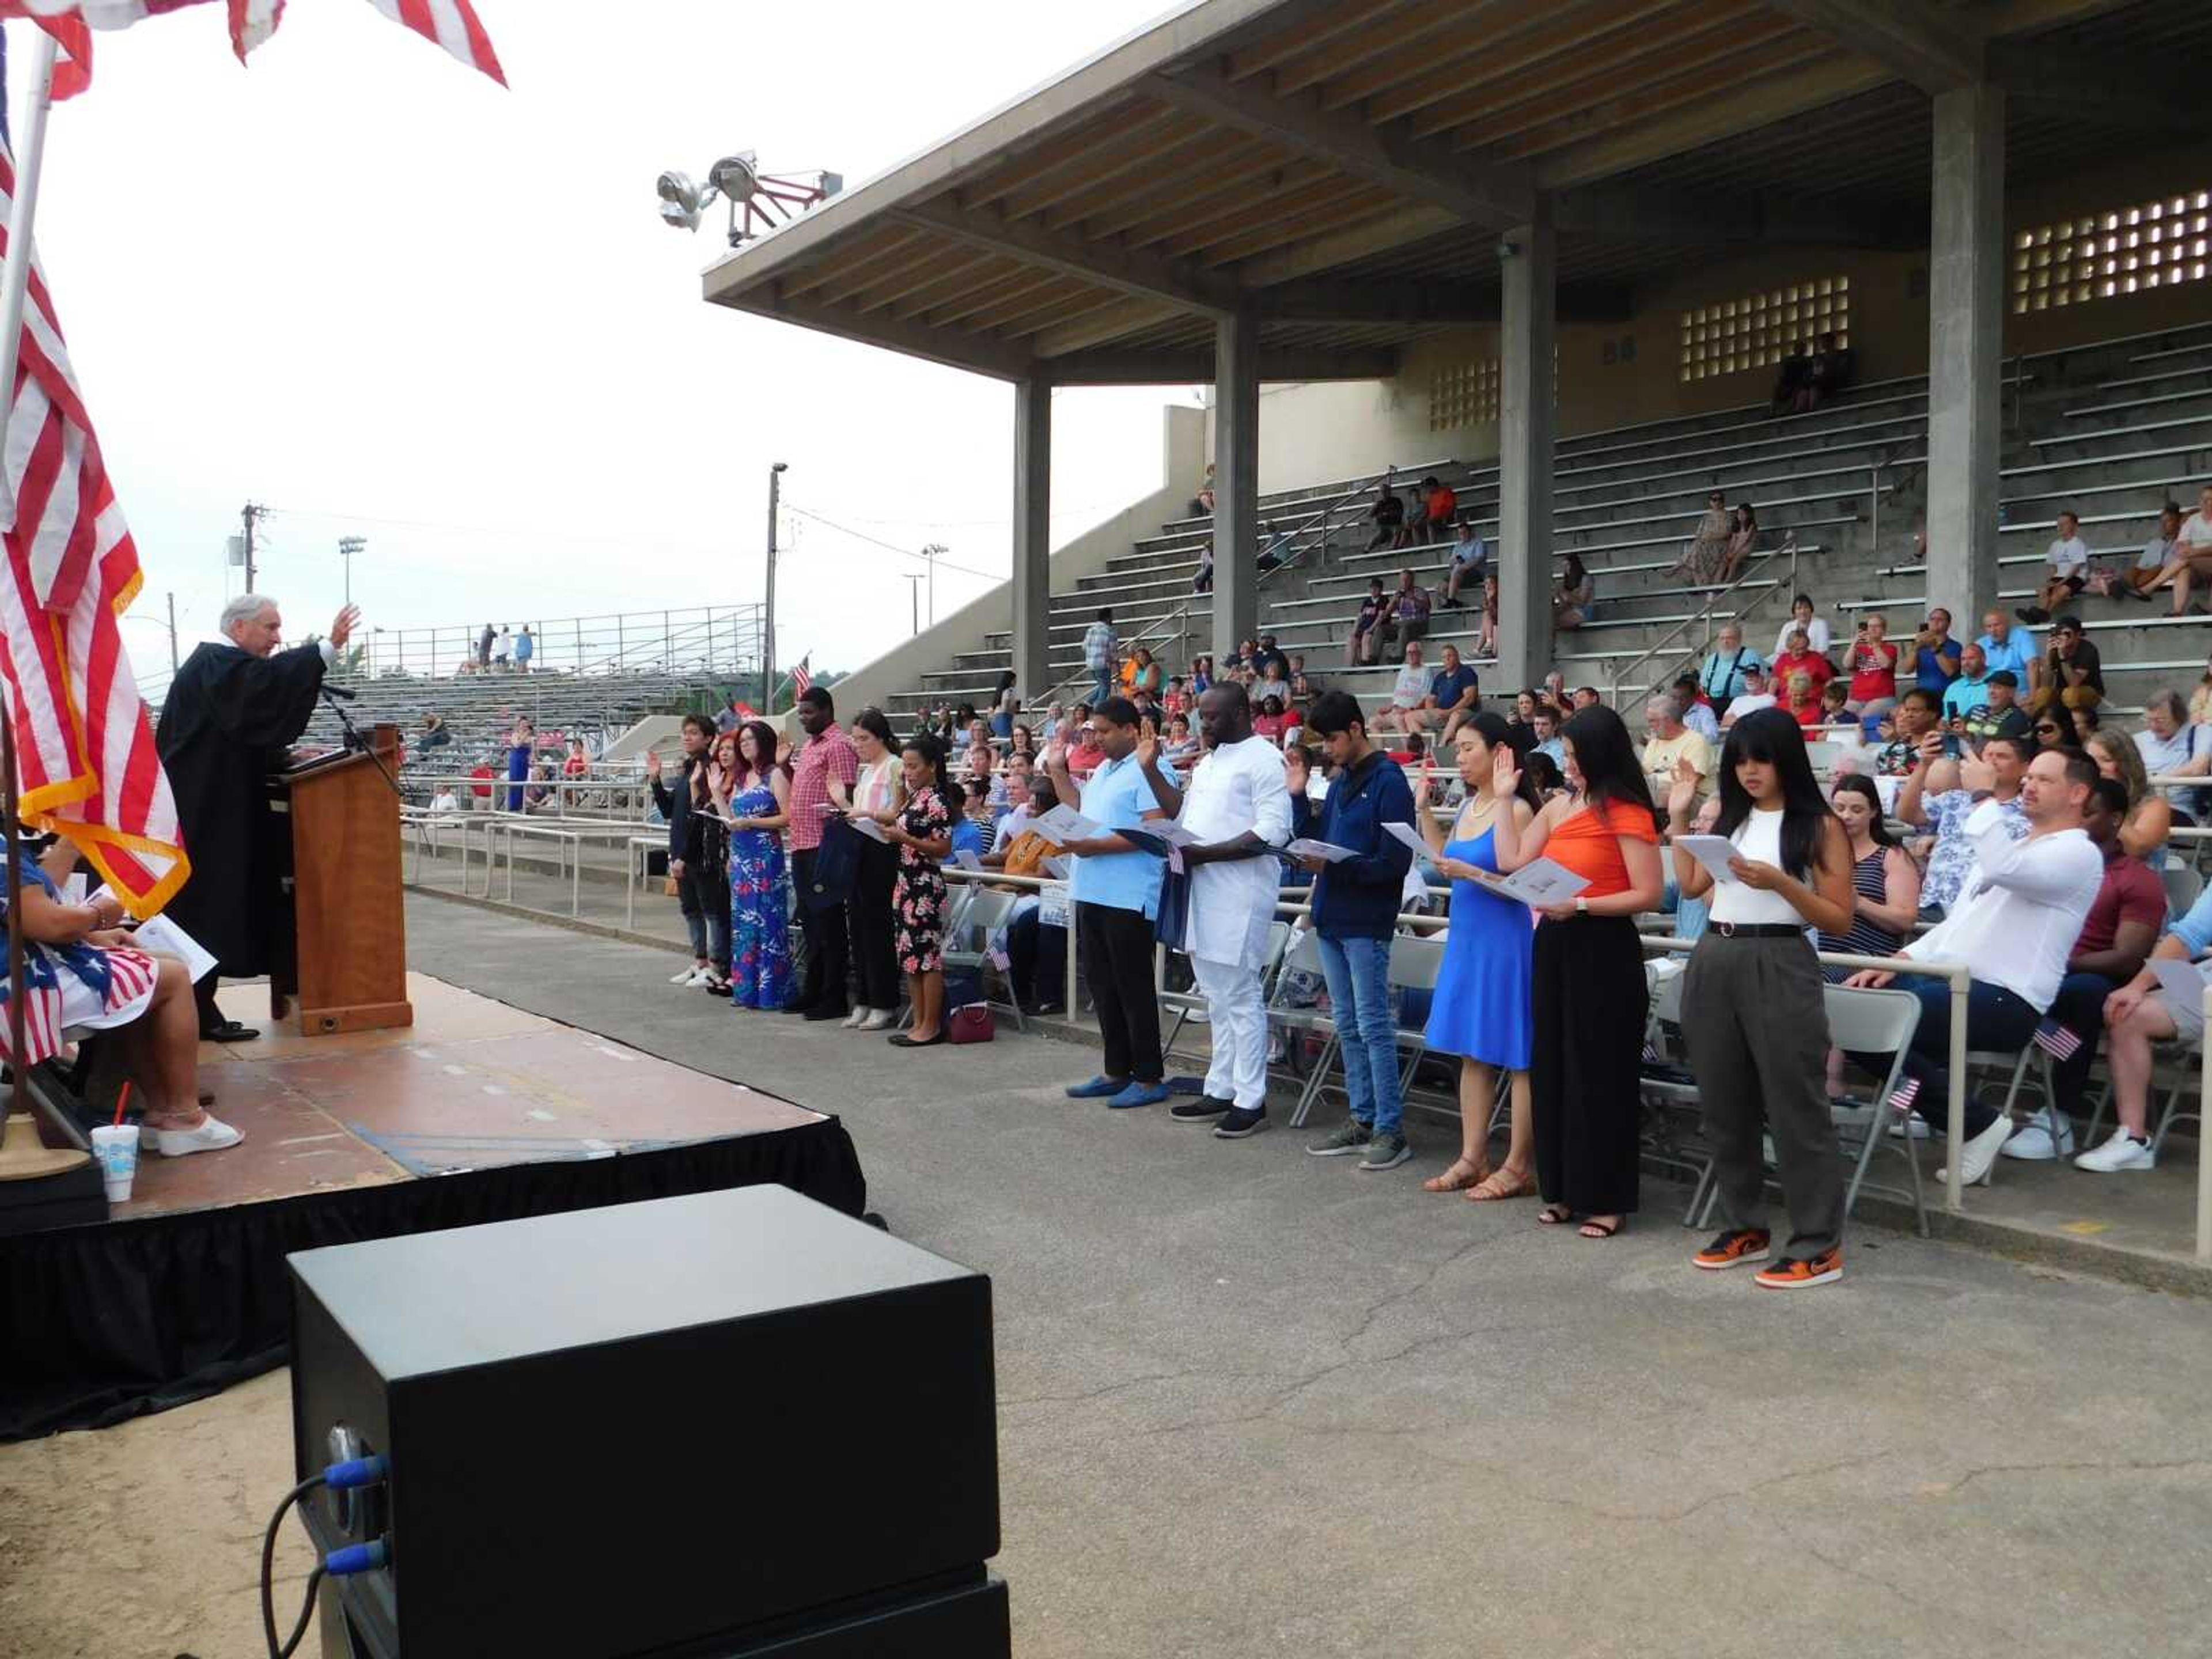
(2061, 1043)
(84, 750)
(801, 681)
(1900, 1101)
(451, 23)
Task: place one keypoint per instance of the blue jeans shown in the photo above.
(1358, 975)
(1102, 686)
(1996, 1020)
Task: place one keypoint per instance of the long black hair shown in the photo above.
(1607, 760)
(1492, 729)
(1769, 735)
(933, 754)
(1851, 783)
(763, 745)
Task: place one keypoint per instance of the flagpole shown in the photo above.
(16, 283)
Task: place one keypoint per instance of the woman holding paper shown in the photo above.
(922, 832)
(1480, 1011)
(1588, 994)
(1753, 1012)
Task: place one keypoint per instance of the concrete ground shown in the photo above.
(1257, 1403)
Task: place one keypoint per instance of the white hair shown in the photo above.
(243, 607)
(1666, 707)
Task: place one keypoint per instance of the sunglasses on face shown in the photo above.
(2046, 729)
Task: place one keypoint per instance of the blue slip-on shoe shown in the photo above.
(1098, 1089)
(1139, 1094)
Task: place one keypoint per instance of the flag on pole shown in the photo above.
(451, 23)
(84, 748)
(801, 681)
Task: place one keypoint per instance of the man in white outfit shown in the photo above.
(1237, 806)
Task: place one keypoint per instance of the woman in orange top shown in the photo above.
(1587, 990)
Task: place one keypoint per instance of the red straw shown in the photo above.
(122, 1099)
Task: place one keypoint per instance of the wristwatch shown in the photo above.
(1581, 905)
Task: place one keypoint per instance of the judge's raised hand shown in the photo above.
(341, 628)
(1682, 791)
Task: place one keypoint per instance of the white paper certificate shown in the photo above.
(1412, 837)
(868, 827)
(1064, 824)
(1539, 884)
(1714, 852)
(1327, 851)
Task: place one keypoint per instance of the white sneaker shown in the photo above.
(878, 1019)
(1913, 1128)
(2033, 1142)
(2121, 1151)
(860, 1011)
(1979, 1154)
(688, 976)
(211, 1134)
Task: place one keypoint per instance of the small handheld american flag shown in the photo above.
(2061, 1043)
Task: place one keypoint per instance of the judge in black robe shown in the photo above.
(233, 709)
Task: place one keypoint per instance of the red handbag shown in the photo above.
(971, 1024)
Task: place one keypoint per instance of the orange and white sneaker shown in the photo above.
(1734, 1248)
(1791, 1274)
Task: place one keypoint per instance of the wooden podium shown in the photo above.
(347, 932)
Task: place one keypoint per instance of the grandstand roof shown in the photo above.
(1343, 169)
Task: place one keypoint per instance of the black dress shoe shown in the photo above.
(828, 1011)
(229, 1031)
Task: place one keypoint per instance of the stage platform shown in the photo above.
(478, 1112)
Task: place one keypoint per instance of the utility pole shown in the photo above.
(767, 622)
(931, 553)
(914, 602)
(251, 515)
(348, 546)
(173, 633)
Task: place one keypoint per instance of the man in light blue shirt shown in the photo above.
(1116, 889)
(1972, 689)
(2004, 646)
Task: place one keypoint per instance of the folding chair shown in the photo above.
(1302, 956)
(2183, 885)
(2176, 1064)
(1666, 1086)
(1415, 963)
(978, 919)
(1185, 1005)
(1876, 1022)
(2054, 1120)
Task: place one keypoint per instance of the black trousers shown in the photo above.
(1590, 1001)
(1037, 960)
(823, 984)
(869, 920)
(1117, 960)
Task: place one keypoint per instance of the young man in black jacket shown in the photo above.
(1355, 912)
(703, 882)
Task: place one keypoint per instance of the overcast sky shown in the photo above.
(361, 283)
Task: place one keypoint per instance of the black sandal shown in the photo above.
(1599, 1228)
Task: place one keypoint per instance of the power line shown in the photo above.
(889, 547)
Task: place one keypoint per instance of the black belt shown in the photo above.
(1756, 930)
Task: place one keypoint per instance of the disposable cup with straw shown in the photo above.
(115, 1146)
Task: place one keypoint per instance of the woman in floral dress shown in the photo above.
(922, 832)
(756, 799)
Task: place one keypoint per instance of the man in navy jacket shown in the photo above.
(1355, 909)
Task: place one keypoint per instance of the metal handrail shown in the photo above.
(1758, 562)
(1303, 524)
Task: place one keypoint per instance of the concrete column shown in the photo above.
(1966, 347)
(1236, 482)
(1033, 675)
(1527, 423)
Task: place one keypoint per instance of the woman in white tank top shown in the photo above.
(1754, 1015)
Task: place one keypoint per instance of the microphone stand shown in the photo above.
(356, 741)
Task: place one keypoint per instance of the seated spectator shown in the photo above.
(971, 830)
(1470, 562)
(1554, 691)
(1084, 757)
(1439, 503)
(1455, 695)
(2068, 573)
(1302, 687)
(1268, 659)
(2192, 553)
(1202, 677)
(2172, 747)
(2000, 716)
(1146, 675)
(1365, 639)
(1202, 581)
(2004, 646)
(1388, 514)
(577, 763)
(1546, 775)
(1037, 957)
(2054, 728)
(2200, 700)
(2139, 579)
(2013, 925)
(2149, 816)
(1934, 654)
(979, 763)
(1486, 640)
(2116, 937)
(1836, 710)
(1801, 698)
(1414, 511)
(1807, 381)
(1743, 540)
(1575, 598)
(1023, 741)
(1407, 619)
(1546, 724)
(445, 801)
(1584, 696)
(1696, 708)
(1940, 794)
(1754, 698)
(1407, 692)
(1885, 881)
(1721, 676)
(435, 735)
(1707, 551)
(1872, 659)
(2137, 1015)
(1798, 657)
(1201, 505)
(1918, 715)
(1970, 691)
(1271, 722)
(2073, 672)
(1274, 547)
(1010, 783)
(1180, 748)
(1671, 742)
(1802, 621)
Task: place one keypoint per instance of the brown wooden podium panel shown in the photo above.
(350, 964)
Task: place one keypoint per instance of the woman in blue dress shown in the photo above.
(1481, 1009)
(757, 804)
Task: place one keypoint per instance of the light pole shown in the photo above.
(348, 546)
(768, 628)
(931, 553)
(914, 602)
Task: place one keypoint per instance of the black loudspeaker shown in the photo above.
(732, 1423)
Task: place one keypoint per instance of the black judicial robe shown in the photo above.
(229, 720)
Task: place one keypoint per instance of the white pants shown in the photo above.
(1238, 1015)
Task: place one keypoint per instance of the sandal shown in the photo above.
(1502, 1184)
(1599, 1228)
(1451, 1180)
(1553, 1215)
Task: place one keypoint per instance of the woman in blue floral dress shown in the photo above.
(756, 801)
